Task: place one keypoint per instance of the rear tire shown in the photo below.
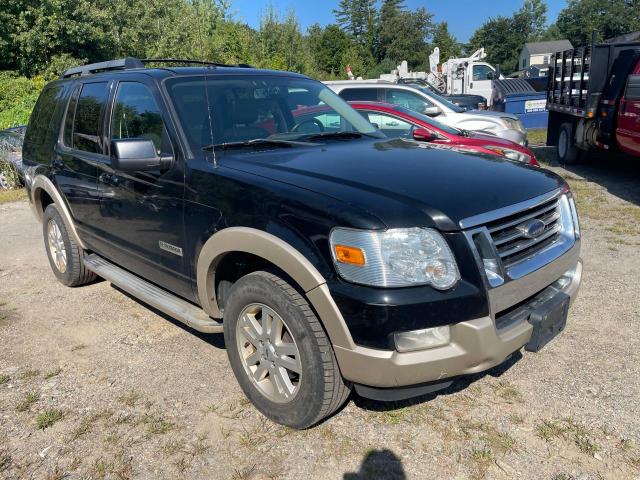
(567, 151)
(265, 359)
(66, 257)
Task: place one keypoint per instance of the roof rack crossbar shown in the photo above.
(120, 64)
(192, 62)
(131, 63)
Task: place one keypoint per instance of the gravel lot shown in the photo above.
(95, 385)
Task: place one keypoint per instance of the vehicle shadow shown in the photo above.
(459, 384)
(378, 465)
(214, 339)
(619, 174)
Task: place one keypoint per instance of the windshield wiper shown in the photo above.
(257, 142)
(315, 136)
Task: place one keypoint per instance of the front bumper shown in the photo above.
(514, 135)
(476, 345)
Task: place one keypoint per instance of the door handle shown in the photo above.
(57, 163)
(108, 179)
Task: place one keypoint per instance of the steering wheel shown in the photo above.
(315, 121)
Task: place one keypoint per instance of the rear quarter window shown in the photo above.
(41, 126)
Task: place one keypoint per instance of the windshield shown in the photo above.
(258, 107)
(428, 120)
(440, 99)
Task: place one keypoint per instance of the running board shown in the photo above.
(150, 294)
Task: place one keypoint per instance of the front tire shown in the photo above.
(568, 153)
(65, 255)
(280, 353)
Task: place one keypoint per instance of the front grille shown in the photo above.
(513, 244)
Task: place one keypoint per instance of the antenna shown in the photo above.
(206, 89)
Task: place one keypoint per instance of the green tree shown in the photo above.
(328, 46)
(608, 18)
(531, 20)
(404, 33)
(448, 45)
(500, 41)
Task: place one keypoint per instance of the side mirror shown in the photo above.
(137, 154)
(424, 135)
(432, 111)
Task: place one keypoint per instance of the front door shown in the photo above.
(142, 212)
(628, 128)
(480, 81)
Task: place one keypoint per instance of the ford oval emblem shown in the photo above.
(532, 228)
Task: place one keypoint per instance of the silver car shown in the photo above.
(422, 100)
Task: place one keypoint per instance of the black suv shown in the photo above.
(259, 204)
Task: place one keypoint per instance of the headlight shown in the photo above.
(513, 124)
(574, 216)
(399, 257)
(509, 153)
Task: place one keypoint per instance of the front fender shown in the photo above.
(285, 257)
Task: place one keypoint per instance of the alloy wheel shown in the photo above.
(56, 246)
(268, 352)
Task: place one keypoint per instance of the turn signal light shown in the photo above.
(350, 255)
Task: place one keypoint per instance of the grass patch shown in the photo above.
(500, 442)
(27, 401)
(53, 373)
(584, 441)
(243, 473)
(4, 379)
(86, 424)
(5, 460)
(508, 392)
(30, 374)
(537, 136)
(157, 425)
(15, 195)
(129, 399)
(47, 418)
(550, 429)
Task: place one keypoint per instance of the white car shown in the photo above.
(421, 100)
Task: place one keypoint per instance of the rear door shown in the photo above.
(628, 124)
(78, 153)
(142, 212)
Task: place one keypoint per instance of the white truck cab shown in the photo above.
(470, 75)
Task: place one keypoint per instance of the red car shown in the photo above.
(396, 121)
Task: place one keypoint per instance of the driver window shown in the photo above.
(409, 100)
(136, 115)
(482, 72)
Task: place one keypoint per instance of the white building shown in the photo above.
(539, 53)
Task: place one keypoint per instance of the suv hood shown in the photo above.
(403, 183)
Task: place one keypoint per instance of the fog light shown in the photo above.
(422, 339)
(564, 281)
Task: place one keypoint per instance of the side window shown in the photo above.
(482, 72)
(137, 115)
(409, 100)
(391, 126)
(67, 136)
(360, 94)
(633, 88)
(85, 133)
(40, 121)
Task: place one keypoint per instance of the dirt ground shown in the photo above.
(95, 385)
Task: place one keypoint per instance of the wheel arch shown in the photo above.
(279, 253)
(43, 193)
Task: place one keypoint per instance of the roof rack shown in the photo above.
(130, 63)
(121, 64)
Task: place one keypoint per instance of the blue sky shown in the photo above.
(463, 16)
